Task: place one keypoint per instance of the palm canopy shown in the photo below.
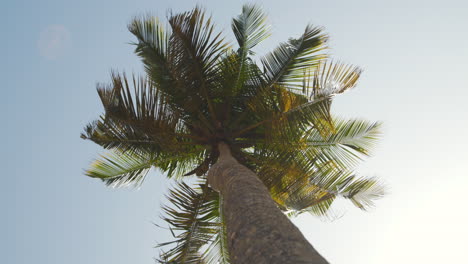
(274, 115)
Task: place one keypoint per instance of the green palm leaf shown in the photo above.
(191, 216)
(308, 176)
(152, 47)
(284, 116)
(330, 79)
(250, 28)
(195, 50)
(314, 190)
(351, 141)
(136, 115)
(288, 62)
(217, 252)
(120, 169)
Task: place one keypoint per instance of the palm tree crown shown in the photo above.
(273, 113)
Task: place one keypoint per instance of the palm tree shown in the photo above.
(258, 135)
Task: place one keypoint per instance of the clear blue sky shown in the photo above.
(415, 57)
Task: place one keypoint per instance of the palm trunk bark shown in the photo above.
(257, 231)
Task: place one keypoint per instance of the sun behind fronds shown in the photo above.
(273, 112)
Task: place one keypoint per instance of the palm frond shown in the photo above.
(121, 169)
(364, 191)
(284, 116)
(111, 134)
(217, 251)
(239, 84)
(288, 62)
(181, 60)
(175, 156)
(139, 119)
(305, 202)
(341, 183)
(250, 28)
(181, 163)
(194, 38)
(331, 78)
(152, 47)
(301, 179)
(136, 100)
(195, 50)
(191, 217)
(352, 140)
(137, 116)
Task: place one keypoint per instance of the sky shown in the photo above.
(414, 55)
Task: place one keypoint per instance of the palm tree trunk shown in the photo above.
(257, 231)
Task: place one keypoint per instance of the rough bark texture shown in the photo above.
(257, 231)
